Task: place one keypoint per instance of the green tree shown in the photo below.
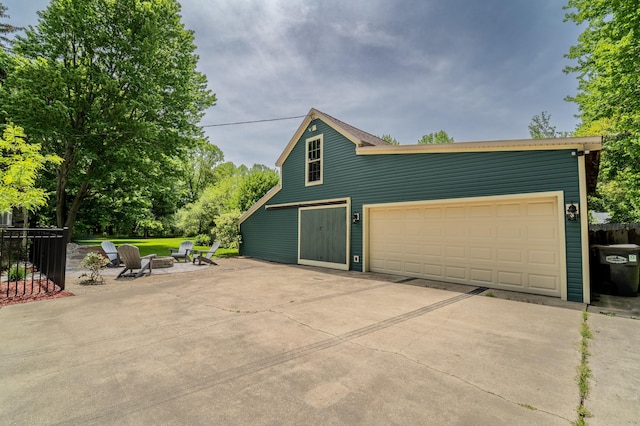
(199, 168)
(236, 189)
(608, 98)
(198, 217)
(227, 231)
(254, 185)
(438, 137)
(111, 87)
(389, 139)
(5, 28)
(541, 128)
(20, 164)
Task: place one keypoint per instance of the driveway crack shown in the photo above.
(463, 380)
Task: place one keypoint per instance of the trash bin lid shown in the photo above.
(616, 246)
(624, 246)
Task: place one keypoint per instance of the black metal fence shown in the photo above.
(32, 261)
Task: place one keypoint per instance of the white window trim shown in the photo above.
(306, 161)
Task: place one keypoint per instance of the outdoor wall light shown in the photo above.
(572, 212)
(580, 153)
(356, 217)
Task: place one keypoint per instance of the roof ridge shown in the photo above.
(364, 136)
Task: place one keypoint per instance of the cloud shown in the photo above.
(478, 70)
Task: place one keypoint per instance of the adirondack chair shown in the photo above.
(182, 252)
(111, 252)
(205, 255)
(130, 256)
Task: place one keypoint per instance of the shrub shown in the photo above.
(202, 240)
(226, 229)
(16, 273)
(95, 262)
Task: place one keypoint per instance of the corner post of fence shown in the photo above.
(66, 239)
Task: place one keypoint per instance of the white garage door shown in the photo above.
(515, 244)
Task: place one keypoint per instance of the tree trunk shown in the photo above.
(61, 184)
(75, 206)
(61, 199)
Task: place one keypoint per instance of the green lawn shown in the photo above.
(159, 246)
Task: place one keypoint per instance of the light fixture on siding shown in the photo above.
(356, 217)
(572, 212)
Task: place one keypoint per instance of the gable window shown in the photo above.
(313, 166)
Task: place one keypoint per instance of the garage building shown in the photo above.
(490, 214)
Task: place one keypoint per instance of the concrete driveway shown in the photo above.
(250, 342)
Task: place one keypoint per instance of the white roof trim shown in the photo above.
(590, 143)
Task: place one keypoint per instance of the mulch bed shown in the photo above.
(29, 291)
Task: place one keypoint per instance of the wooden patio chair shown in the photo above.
(112, 253)
(205, 255)
(182, 252)
(130, 256)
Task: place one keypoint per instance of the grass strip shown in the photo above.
(159, 246)
(584, 372)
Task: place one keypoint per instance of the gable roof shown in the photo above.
(355, 135)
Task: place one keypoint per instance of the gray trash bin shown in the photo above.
(622, 260)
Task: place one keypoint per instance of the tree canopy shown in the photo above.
(438, 137)
(5, 28)
(607, 63)
(541, 128)
(389, 139)
(112, 88)
(20, 163)
(235, 190)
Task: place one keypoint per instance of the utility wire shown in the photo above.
(206, 125)
(253, 121)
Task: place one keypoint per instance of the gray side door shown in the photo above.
(323, 236)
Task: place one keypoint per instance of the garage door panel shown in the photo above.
(543, 258)
(543, 282)
(513, 279)
(539, 231)
(509, 232)
(481, 253)
(510, 255)
(395, 248)
(432, 212)
(413, 267)
(394, 265)
(456, 272)
(482, 232)
(511, 245)
(433, 270)
(432, 250)
(413, 249)
(431, 230)
(486, 210)
(541, 209)
(454, 212)
(455, 232)
(483, 276)
(455, 252)
(508, 210)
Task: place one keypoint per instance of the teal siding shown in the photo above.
(271, 235)
(372, 179)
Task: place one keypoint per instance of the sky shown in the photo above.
(480, 70)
